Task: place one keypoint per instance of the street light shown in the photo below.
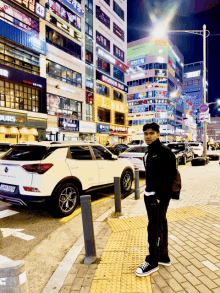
(161, 32)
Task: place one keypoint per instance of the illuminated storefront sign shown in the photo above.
(74, 6)
(7, 118)
(102, 128)
(64, 13)
(4, 72)
(148, 49)
(118, 129)
(136, 62)
(87, 127)
(33, 83)
(68, 124)
(111, 59)
(18, 19)
(111, 81)
(65, 89)
(40, 10)
(171, 71)
(89, 98)
(160, 72)
(138, 75)
(28, 4)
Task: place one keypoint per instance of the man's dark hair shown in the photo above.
(153, 126)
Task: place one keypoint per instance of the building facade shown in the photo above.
(62, 70)
(193, 87)
(155, 81)
(23, 112)
(110, 58)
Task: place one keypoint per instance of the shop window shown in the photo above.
(119, 118)
(102, 90)
(62, 73)
(63, 43)
(89, 4)
(88, 112)
(20, 58)
(15, 96)
(104, 65)
(117, 9)
(108, 2)
(103, 115)
(118, 74)
(118, 96)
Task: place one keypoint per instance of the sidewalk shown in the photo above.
(194, 243)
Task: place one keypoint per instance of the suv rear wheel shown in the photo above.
(66, 199)
(126, 181)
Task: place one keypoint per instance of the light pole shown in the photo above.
(161, 32)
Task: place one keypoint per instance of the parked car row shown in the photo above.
(58, 172)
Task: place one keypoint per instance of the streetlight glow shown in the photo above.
(218, 102)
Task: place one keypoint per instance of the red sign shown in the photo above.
(189, 103)
(203, 108)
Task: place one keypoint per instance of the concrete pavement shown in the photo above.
(121, 244)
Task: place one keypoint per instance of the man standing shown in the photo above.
(160, 170)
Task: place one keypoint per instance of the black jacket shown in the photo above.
(160, 170)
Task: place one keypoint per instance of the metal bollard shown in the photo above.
(13, 277)
(117, 189)
(88, 230)
(137, 189)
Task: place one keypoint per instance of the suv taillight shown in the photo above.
(37, 168)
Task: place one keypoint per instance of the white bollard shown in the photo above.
(13, 277)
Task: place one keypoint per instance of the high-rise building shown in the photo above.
(62, 70)
(22, 87)
(155, 81)
(193, 87)
(110, 58)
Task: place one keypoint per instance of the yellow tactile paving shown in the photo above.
(128, 223)
(184, 213)
(112, 285)
(141, 221)
(132, 284)
(125, 251)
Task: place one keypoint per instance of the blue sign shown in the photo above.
(23, 38)
(103, 128)
(74, 6)
(137, 62)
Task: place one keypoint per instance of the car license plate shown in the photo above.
(7, 188)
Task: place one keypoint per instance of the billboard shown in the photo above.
(148, 49)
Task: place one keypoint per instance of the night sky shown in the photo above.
(187, 15)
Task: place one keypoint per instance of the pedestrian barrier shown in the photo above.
(117, 190)
(137, 189)
(88, 230)
(198, 161)
(13, 277)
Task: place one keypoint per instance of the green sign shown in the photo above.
(217, 131)
(146, 49)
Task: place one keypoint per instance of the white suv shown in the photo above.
(59, 172)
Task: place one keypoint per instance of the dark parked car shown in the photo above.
(118, 148)
(182, 150)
